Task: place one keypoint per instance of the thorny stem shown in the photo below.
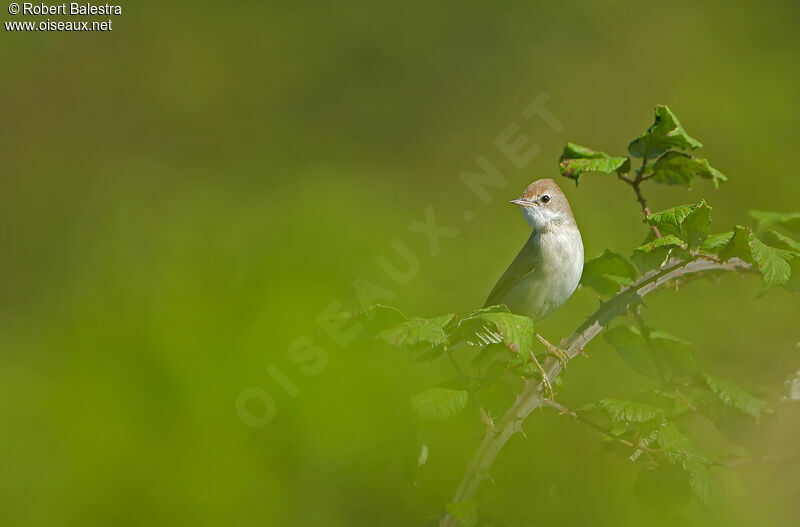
(531, 396)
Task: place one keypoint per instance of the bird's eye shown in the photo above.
(545, 198)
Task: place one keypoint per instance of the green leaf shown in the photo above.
(465, 513)
(779, 241)
(773, 264)
(633, 350)
(676, 449)
(738, 245)
(675, 446)
(777, 266)
(577, 160)
(438, 403)
(675, 168)
(607, 272)
(627, 411)
(672, 354)
(672, 402)
(665, 133)
(735, 396)
(702, 482)
(655, 354)
(690, 222)
(715, 242)
(696, 226)
(418, 330)
(788, 220)
(794, 280)
(497, 324)
(657, 252)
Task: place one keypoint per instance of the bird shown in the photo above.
(549, 266)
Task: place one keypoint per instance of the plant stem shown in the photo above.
(591, 424)
(635, 184)
(531, 396)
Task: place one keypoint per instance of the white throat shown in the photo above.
(541, 218)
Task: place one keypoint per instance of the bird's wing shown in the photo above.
(525, 263)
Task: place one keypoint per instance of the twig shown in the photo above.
(531, 396)
(734, 463)
(635, 184)
(588, 422)
(685, 401)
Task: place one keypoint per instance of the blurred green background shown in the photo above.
(183, 196)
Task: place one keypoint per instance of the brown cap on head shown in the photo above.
(545, 193)
(541, 187)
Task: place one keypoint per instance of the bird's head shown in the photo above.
(544, 205)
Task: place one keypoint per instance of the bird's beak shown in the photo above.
(521, 202)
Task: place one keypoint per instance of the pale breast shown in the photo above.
(554, 280)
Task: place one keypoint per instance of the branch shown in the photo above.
(643, 203)
(563, 410)
(735, 463)
(531, 396)
(635, 184)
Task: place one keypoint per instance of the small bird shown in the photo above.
(548, 268)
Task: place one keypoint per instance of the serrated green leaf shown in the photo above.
(577, 160)
(690, 223)
(738, 245)
(675, 446)
(735, 396)
(775, 239)
(777, 266)
(438, 403)
(607, 272)
(669, 221)
(465, 513)
(664, 134)
(773, 264)
(497, 324)
(632, 348)
(656, 253)
(675, 168)
(702, 483)
(697, 225)
(787, 220)
(716, 242)
(627, 411)
(418, 330)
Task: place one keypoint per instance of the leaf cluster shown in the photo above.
(666, 141)
(686, 234)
